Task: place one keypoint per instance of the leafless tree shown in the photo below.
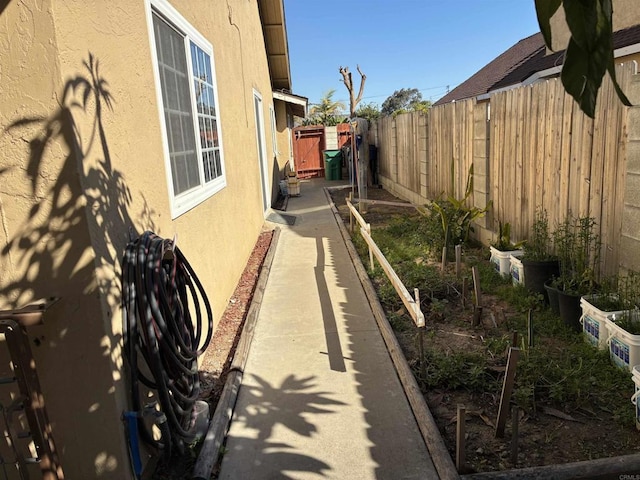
(348, 82)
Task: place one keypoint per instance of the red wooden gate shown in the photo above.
(308, 144)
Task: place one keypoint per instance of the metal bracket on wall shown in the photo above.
(13, 325)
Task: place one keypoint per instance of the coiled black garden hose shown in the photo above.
(162, 338)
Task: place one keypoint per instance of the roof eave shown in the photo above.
(274, 29)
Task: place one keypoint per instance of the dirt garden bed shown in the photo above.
(573, 403)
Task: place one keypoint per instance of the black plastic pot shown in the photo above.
(536, 273)
(570, 310)
(552, 296)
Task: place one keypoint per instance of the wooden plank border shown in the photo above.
(412, 305)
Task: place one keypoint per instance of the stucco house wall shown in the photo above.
(83, 167)
(625, 14)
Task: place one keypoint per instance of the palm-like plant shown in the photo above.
(326, 111)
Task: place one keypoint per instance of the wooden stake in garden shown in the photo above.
(477, 309)
(460, 433)
(416, 295)
(530, 328)
(458, 260)
(507, 389)
(515, 414)
(444, 258)
(464, 292)
(373, 267)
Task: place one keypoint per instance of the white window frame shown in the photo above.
(185, 201)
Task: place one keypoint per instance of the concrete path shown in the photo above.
(320, 397)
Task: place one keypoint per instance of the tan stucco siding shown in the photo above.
(283, 134)
(46, 248)
(111, 149)
(625, 14)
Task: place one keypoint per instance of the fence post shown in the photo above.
(370, 251)
(349, 202)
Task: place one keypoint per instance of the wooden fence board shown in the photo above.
(543, 152)
(565, 156)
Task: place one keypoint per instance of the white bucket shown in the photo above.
(635, 375)
(624, 348)
(517, 270)
(502, 260)
(199, 419)
(595, 322)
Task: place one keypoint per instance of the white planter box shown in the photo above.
(502, 260)
(635, 375)
(595, 322)
(624, 348)
(517, 270)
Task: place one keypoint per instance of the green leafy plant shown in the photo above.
(538, 246)
(629, 295)
(578, 249)
(504, 243)
(456, 217)
(607, 298)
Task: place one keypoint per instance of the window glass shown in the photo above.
(187, 84)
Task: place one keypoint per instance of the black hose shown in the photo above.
(162, 339)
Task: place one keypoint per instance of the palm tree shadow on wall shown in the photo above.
(71, 241)
(88, 191)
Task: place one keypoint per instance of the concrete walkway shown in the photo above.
(320, 397)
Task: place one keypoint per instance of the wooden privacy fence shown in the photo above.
(531, 147)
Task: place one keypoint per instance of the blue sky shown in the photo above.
(423, 44)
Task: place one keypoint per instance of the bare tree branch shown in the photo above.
(363, 78)
(348, 82)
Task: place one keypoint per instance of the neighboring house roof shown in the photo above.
(541, 61)
(482, 81)
(522, 61)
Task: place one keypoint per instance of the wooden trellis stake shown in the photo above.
(458, 260)
(373, 267)
(444, 259)
(515, 414)
(464, 292)
(477, 309)
(460, 433)
(416, 295)
(507, 389)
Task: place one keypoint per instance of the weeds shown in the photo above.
(562, 370)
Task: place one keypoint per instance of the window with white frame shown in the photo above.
(185, 76)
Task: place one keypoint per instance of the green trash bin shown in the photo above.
(333, 164)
